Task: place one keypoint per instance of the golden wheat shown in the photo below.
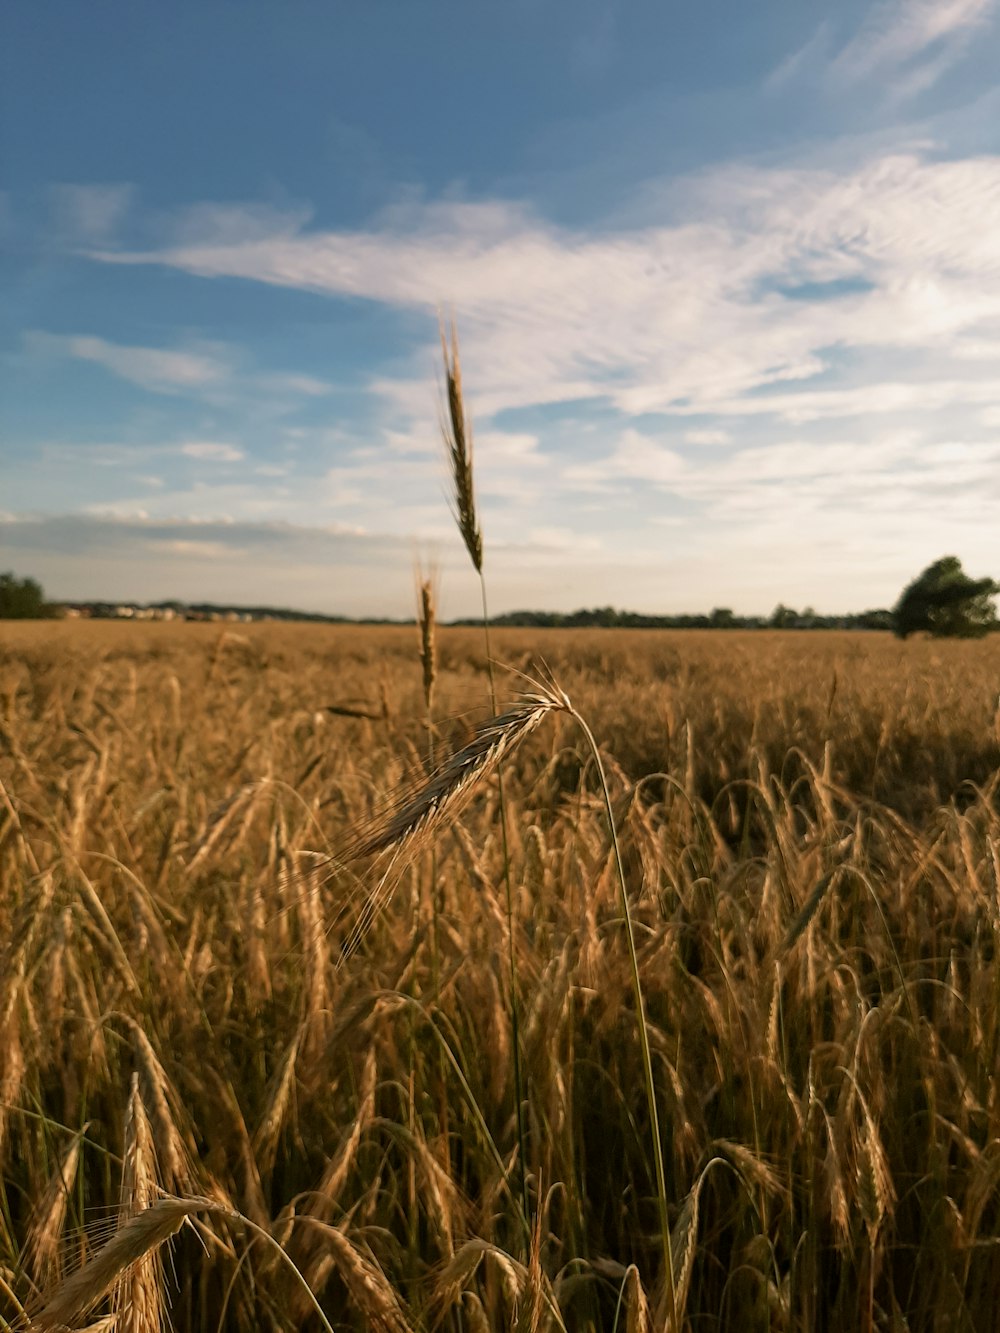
(813, 881)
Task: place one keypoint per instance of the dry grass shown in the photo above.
(811, 835)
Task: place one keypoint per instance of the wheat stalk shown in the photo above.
(457, 433)
(426, 616)
(131, 1243)
(138, 1238)
(46, 1227)
(280, 1092)
(138, 1294)
(172, 1153)
(365, 1282)
(419, 812)
(638, 1318)
(448, 790)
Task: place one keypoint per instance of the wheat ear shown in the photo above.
(428, 648)
(458, 441)
(131, 1243)
(421, 811)
(453, 784)
(138, 1294)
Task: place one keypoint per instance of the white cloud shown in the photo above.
(150, 367)
(212, 451)
(880, 398)
(636, 457)
(156, 368)
(880, 478)
(898, 32)
(708, 437)
(815, 348)
(120, 511)
(199, 549)
(566, 541)
(760, 276)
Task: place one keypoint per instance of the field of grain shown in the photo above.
(810, 836)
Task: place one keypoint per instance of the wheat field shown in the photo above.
(304, 1079)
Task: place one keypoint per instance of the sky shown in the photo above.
(726, 280)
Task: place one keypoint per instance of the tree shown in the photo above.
(22, 599)
(783, 617)
(945, 602)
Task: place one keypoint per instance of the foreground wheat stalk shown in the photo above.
(457, 431)
(137, 1242)
(442, 797)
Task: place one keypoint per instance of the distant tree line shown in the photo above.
(607, 617)
(942, 602)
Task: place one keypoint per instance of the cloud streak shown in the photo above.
(897, 33)
(901, 49)
(760, 277)
(210, 371)
(158, 369)
(212, 451)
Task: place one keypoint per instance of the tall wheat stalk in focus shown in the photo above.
(457, 430)
(458, 440)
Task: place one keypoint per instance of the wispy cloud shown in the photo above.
(90, 214)
(898, 33)
(211, 371)
(800, 353)
(761, 276)
(877, 398)
(734, 551)
(306, 385)
(803, 60)
(161, 370)
(844, 487)
(901, 48)
(212, 451)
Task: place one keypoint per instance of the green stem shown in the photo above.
(515, 1023)
(647, 1059)
(235, 1216)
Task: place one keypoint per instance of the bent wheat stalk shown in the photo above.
(134, 1241)
(454, 783)
(417, 814)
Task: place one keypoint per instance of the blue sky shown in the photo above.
(726, 277)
